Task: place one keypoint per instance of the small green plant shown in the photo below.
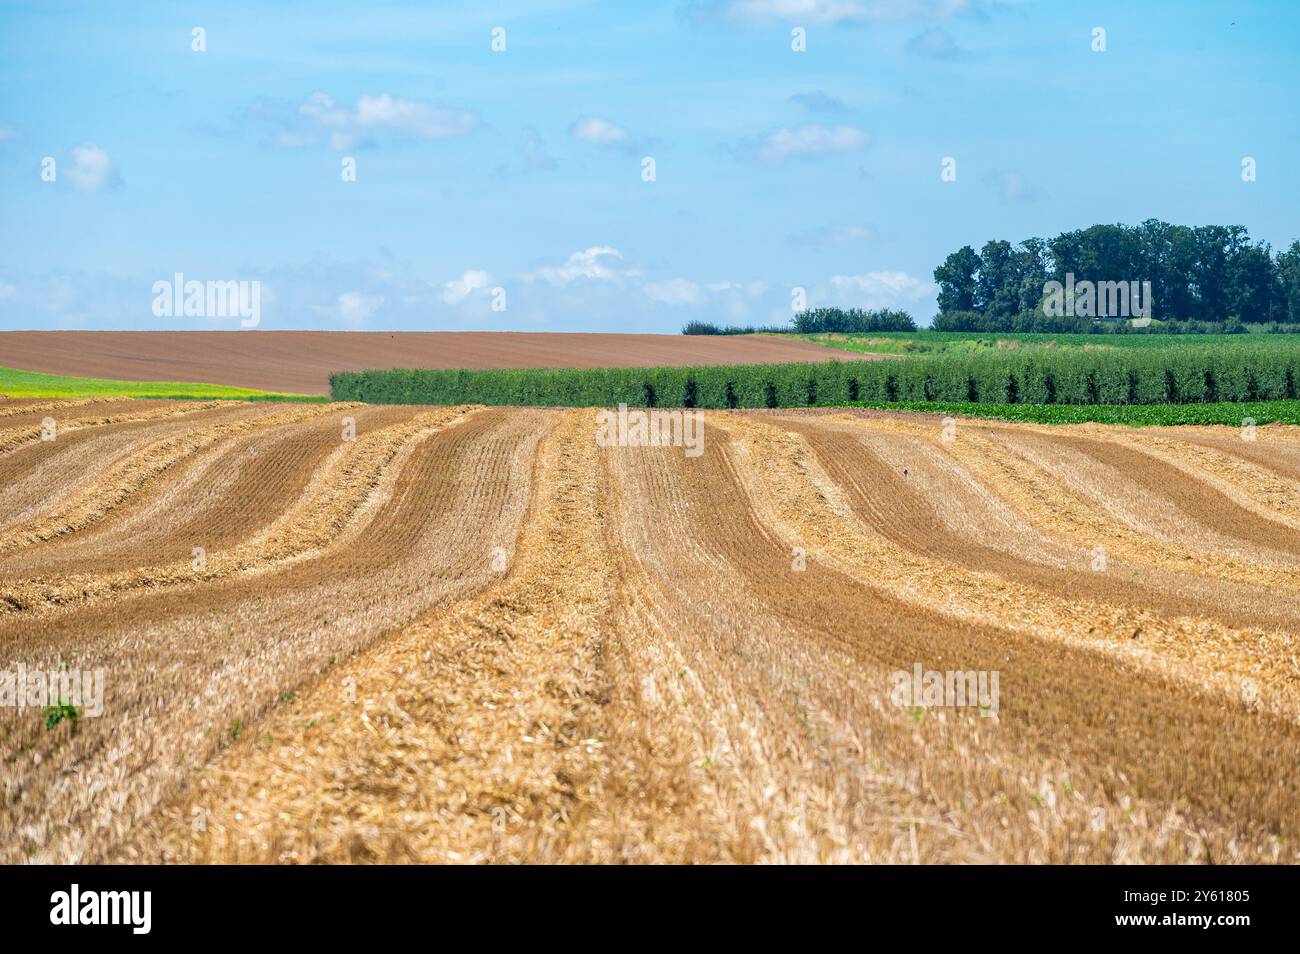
(235, 728)
(57, 713)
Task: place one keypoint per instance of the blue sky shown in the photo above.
(523, 170)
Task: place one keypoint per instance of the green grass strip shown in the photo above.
(34, 384)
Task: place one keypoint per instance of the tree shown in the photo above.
(1206, 275)
(1214, 247)
(956, 278)
(997, 290)
(1033, 274)
(1252, 283)
(1288, 276)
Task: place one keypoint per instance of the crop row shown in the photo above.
(1175, 376)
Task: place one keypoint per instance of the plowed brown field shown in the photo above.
(474, 635)
(301, 361)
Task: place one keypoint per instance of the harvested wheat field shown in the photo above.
(341, 633)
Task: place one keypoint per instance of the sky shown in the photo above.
(615, 166)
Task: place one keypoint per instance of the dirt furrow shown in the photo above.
(214, 499)
(1087, 731)
(33, 410)
(187, 673)
(122, 412)
(40, 476)
(119, 482)
(471, 735)
(332, 510)
(908, 489)
(1076, 500)
(1228, 660)
(1265, 490)
(1184, 496)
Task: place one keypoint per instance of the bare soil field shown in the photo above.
(301, 361)
(474, 635)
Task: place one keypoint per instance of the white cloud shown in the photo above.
(319, 119)
(6, 291)
(881, 289)
(421, 119)
(8, 134)
(91, 169)
(458, 289)
(600, 131)
(352, 308)
(589, 263)
(807, 142)
(936, 43)
(839, 11)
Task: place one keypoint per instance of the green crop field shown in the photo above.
(1199, 379)
(911, 343)
(33, 384)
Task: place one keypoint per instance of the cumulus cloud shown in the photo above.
(936, 43)
(320, 120)
(458, 289)
(90, 169)
(763, 12)
(596, 263)
(881, 289)
(600, 131)
(591, 290)
(353, 309)
(806, 142)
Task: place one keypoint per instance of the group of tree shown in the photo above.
(709, 328)
(818, 321)
(852, 321)
(1202, 278)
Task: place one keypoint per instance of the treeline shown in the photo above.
(818, 320)
(709, 328)
(1190, 374)
(1212, 274)
(852, 320)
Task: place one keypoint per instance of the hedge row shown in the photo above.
(1128, 376)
